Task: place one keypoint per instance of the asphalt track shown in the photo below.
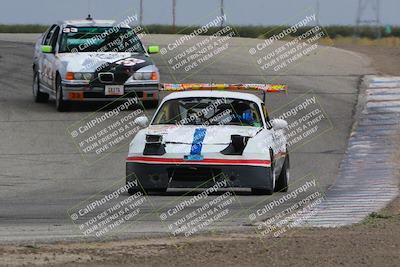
(42, 174)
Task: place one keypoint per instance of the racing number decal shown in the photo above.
(198, 139)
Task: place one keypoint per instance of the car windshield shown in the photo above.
(209, 111)
(100, 39)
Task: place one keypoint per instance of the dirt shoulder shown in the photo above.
(386, 60)
(374, 242)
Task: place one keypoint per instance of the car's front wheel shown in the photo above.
(282, 184)
(151, 103)
(269, 187)
(132, 191)
(61, 104)
(38, 96)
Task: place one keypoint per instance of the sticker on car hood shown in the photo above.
(215, 134)
(130, 61)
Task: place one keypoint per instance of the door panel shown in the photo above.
(48, 59)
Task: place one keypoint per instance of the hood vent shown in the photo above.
(237, 145)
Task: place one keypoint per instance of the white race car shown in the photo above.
(204, 133)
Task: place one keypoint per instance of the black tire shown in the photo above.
(38, 96)
(259, 191)
(270, 186)
(132, 191)
(61, 104)
(150, 103)
(282, 184)
(158, 190)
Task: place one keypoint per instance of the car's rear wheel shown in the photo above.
(61, 104)
(38, 96)
(282, 184)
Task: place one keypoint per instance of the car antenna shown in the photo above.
(89, 17)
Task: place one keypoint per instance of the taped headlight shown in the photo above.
(142, 75)
(154, 145)
(88, 76)
(83, 76)
(153, 139)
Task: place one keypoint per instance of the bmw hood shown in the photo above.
(97, 61)
(213, 135)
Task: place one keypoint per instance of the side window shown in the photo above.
(54, 37)
(47, 38)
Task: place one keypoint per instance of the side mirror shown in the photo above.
(279, 124)
(153, 49)
(47, 49)
(141, 121)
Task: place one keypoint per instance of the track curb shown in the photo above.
(367, 179)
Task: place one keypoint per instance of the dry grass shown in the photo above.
(383, 42)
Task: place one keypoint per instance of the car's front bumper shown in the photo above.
(183, 175)
(85, 92)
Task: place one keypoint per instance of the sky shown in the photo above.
(191, 12)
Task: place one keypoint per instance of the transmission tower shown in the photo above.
(367, 19)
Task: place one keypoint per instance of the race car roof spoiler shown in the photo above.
(265, 88)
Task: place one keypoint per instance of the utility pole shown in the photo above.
(317, 13)
(89, 7)
(372, 21)
(222, 13)
(174, 16)
(141, 13)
